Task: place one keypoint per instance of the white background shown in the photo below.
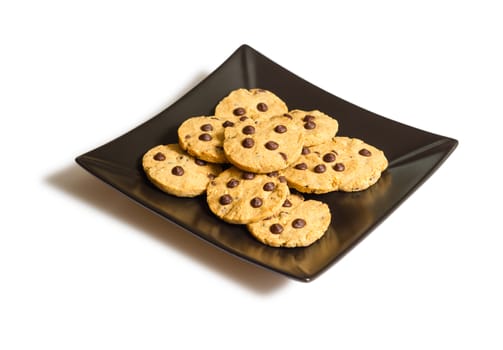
(82, 267)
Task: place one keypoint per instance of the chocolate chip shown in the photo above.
(232, 183)
(305, 150)
(365, 152)
(248, 176)
(308, 118)
(248, 130)
(227, 123)
(276, 229)
(329, 157)
(272, 174)
(159, 156)
(177, 170)
(287, 203)
(200, 162)
(271, 145)
(283, 155)
(256, 202)
(248, 143)
(287, 115)
(298, 223)
(211, 176)
(262, 107)
(225, 199)
(339, 167)
(301, 166)
(205, 137)
(282, 179)
(239, 111)
(280, 129)
(320, 168)
(206, 127)
(243, 118)
(309, 125)
(269, 186)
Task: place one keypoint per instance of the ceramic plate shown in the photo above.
(413, 156)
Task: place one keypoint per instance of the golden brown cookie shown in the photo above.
(252, 103)
(173, 171)
(318, 127)
(263, 145)
(202, 137)
(240, 197)
(299, 223)
(342, 164)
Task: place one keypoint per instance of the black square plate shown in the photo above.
(413, 155)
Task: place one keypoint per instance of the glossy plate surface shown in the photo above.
(413, 155)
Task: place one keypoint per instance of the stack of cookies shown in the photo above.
(251, 153)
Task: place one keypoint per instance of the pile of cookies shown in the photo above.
(248, 156)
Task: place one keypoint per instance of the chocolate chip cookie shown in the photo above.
(263, 145)
(318, 127)
(342, 164)
(298, 223)
(203, 136)
(175, 172)
(240, 197)
(251, 103)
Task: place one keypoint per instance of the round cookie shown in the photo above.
(299, 223)
(342, 164)
(263, 145)
(173, 171)
(240, 197)
(253, 103)
(202, 137)
(318, 127)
